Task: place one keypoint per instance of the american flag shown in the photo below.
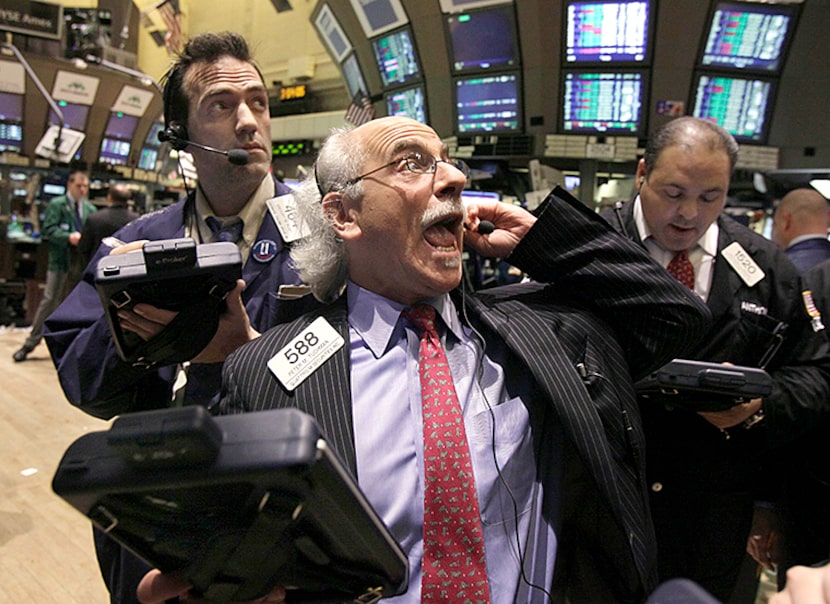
(361, 109)
(170, 14)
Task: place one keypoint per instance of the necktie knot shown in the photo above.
(421, 316)
(681, 268)
(225, 231)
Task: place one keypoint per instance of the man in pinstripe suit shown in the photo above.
(544, 384)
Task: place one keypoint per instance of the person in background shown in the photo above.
(704, 468)
(542, 416)
(62, 226)
(805, 585)
(106, 221)
(213, 95)
(800, 227)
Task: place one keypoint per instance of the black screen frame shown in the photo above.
(648, 54)
(419, 86)
(763, 136)
(409, 80)
(515, 73)
(792, 10)
(642, 127)
(485, 12)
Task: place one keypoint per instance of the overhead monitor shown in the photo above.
(742, 105)
(748, 36)
(459, 6)
(74, 115)
(332, 34)
(353, 76)
(604, 102)
(379, 16)
(117, 141)
(150, 151)
(483, 40)
(11, 122)
(608, 31)
(396, 58)
(488, 103)
(407, 102)
(121, 125)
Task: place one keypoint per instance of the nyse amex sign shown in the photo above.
(31, 18)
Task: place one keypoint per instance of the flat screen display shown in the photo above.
(488, 103)
(379, 16)
(121, 125)
(604, 102)
(484, 39)
(11, 107)
(11, 136)
(74, 115)
(353, 76)
(741, 105)
(396, 58)
(409, 102)
(749, 36)
(114, 151)
(603, 31)
(147, 159)
(331, 32)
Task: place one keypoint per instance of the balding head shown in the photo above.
(119, 194)
(801, 212)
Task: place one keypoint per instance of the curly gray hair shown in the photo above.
(320, 257)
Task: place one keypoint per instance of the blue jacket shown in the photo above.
(91, 373)
(808, 253)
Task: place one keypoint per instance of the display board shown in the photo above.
(483, 40)
(742, 105)
(396, 58)
(407, 102)
(608, 32)
(488, 103)
(604, 102)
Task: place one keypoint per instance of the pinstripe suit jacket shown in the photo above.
(580, 366)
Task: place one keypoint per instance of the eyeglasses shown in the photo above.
(417, 163)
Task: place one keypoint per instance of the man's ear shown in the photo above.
(340, 215)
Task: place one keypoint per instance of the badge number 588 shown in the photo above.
(305, 353)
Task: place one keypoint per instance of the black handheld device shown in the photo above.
(174, 274)
(237, 504)
(704, 386)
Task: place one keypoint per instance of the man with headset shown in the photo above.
(215, 98)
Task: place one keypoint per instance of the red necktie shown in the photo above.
(681, 269)
(454, 567)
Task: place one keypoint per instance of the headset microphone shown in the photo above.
(485, 227)
(177, 136)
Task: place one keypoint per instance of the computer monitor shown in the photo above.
(601, 32)
(332, 34)
(483, 40)
(407, 102)
(488, 103)
(11, 122)
(353, 76)
(74, 115)
(117, 141)
(748, 36)
(379, 16)
(604, 102)
(742, 105)
(396, 58)
(114, 151)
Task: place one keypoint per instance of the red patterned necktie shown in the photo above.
(681, 269)
(454, 567)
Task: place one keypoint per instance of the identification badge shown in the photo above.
(743, 264)
(284, 211)
(305, 353)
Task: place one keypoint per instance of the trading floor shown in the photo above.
(45, 545)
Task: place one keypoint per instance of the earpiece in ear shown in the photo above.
(176, 135)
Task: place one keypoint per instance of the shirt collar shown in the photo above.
(376, 318)
(801, 238)
(251, 214)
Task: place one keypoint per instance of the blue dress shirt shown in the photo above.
(389, 445)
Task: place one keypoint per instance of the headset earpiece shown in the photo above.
(176, 135)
